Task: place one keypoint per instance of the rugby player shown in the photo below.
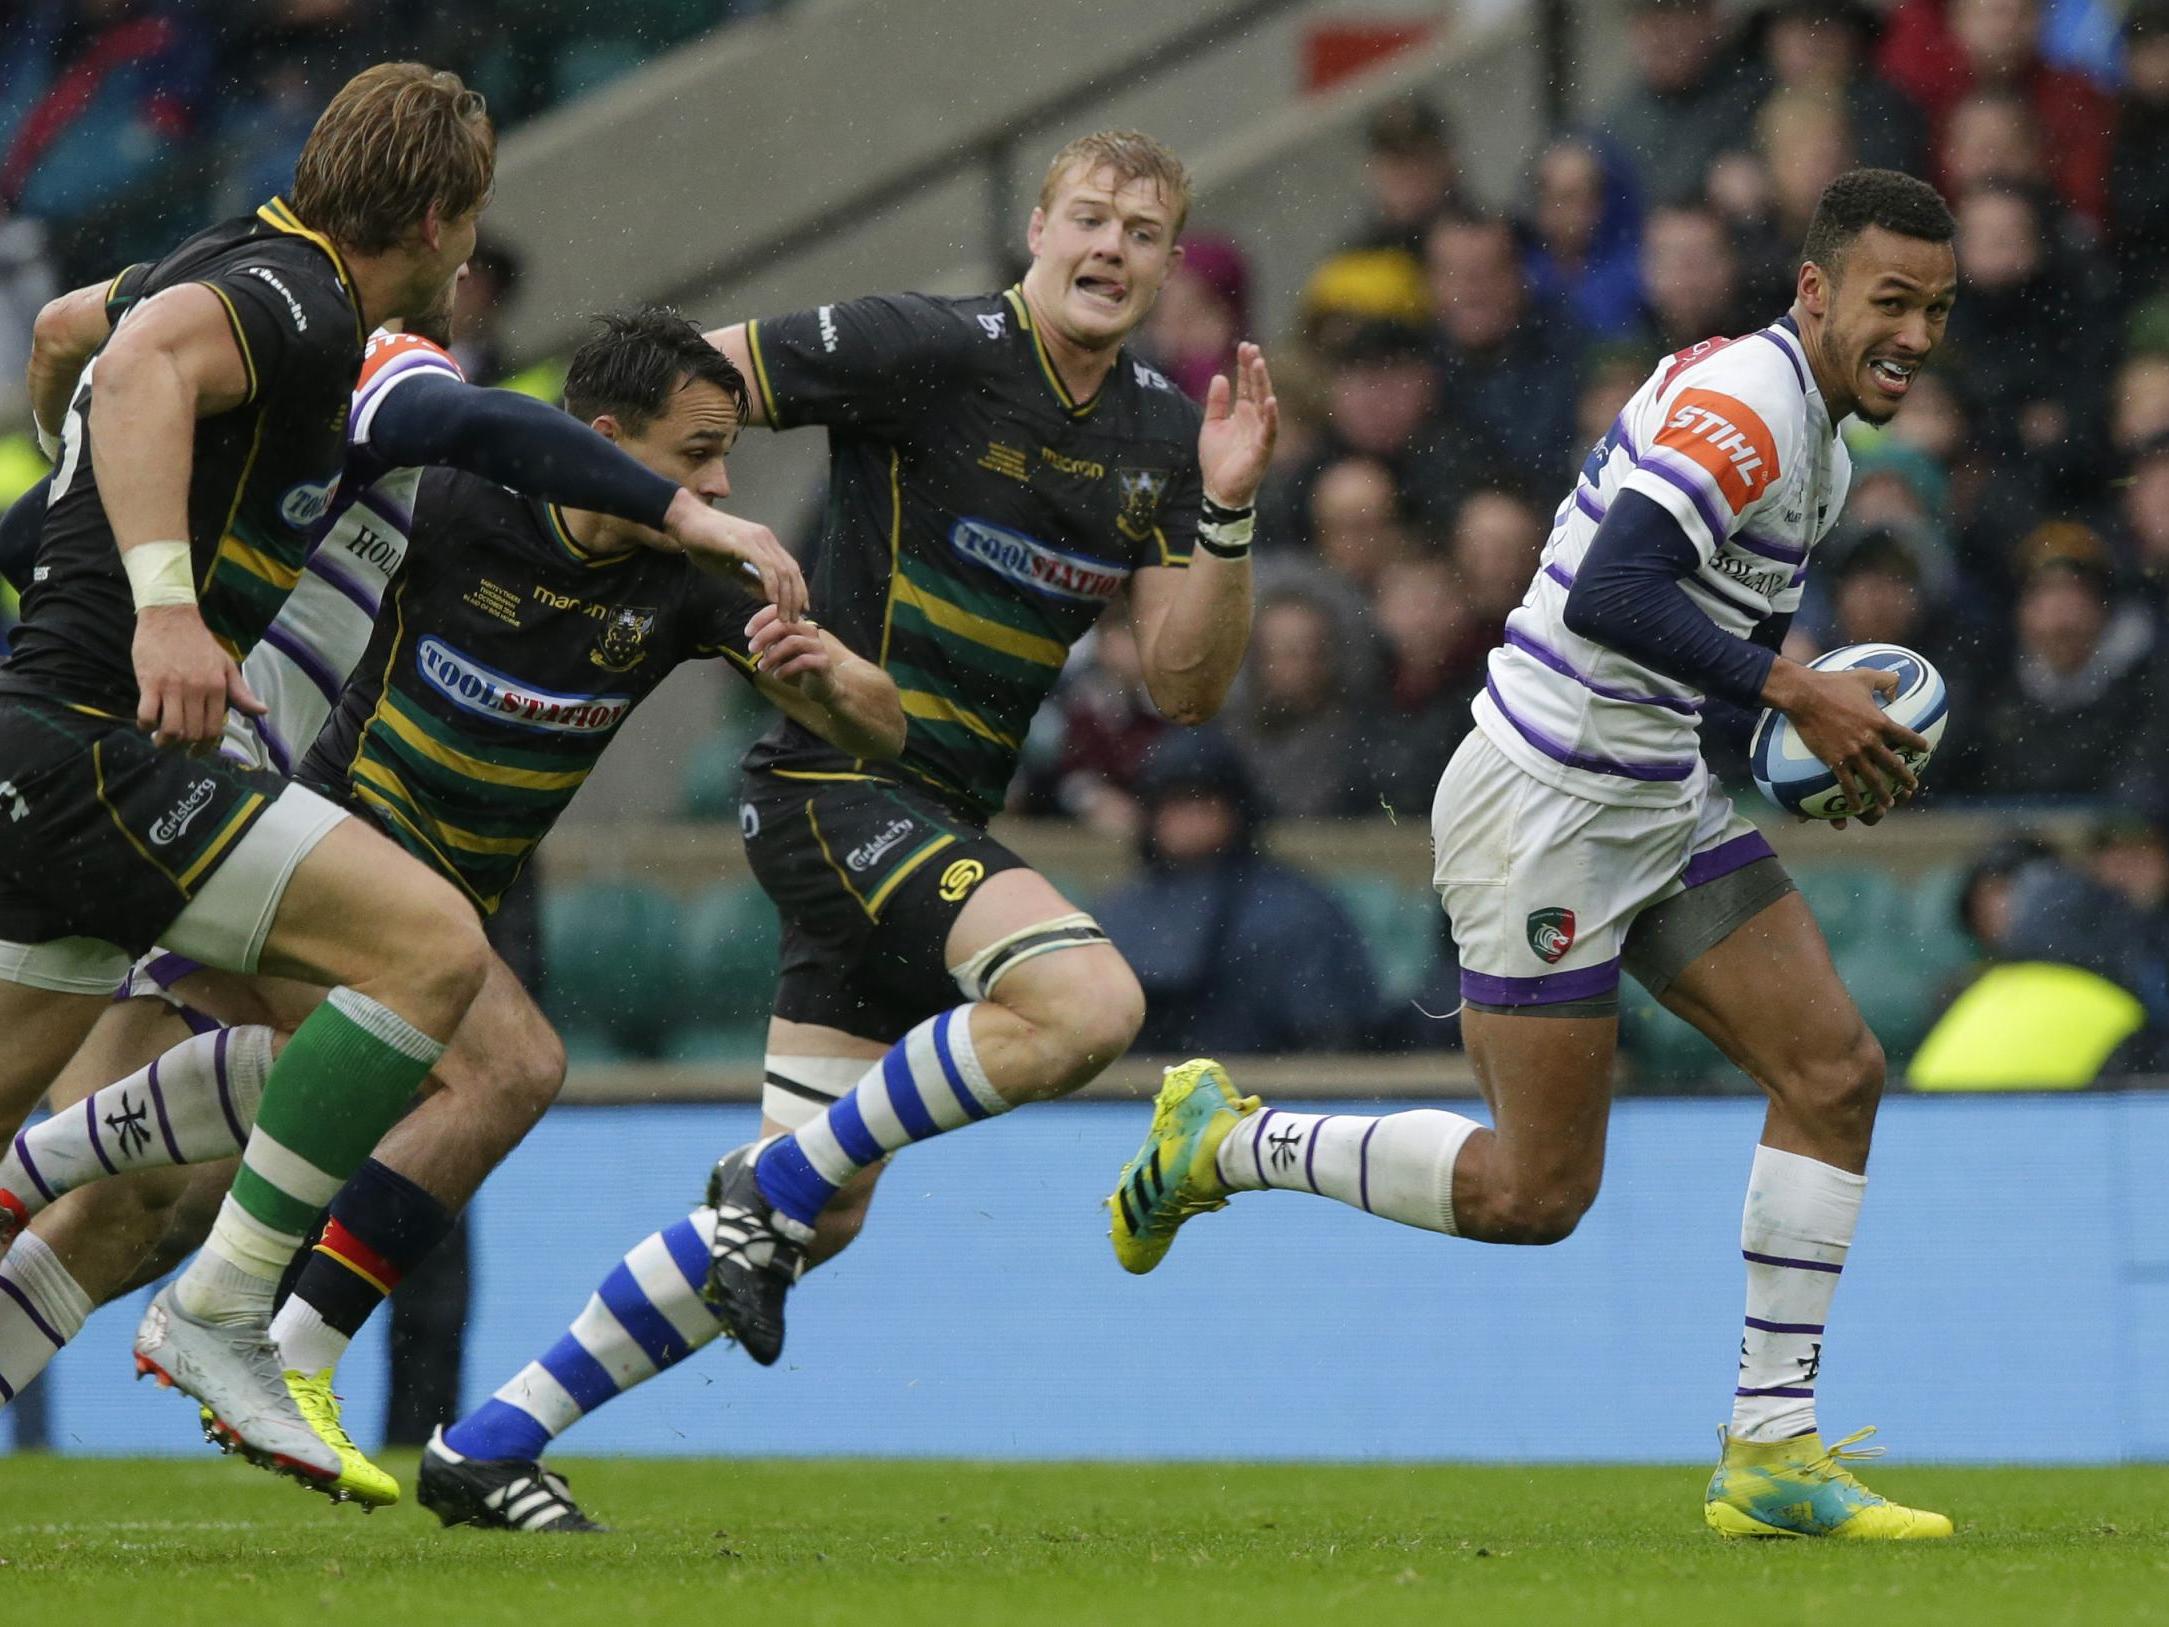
(1000, 469)
(467, 772)
(1577, 831)
(199, 441)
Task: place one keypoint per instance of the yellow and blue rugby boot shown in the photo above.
(1176, 1173)
(1801, 1488)
(359, 1480)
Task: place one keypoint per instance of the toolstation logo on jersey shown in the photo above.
(1031, 562)
(468, 684)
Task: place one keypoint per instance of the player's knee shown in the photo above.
(534, 1065)
(442, 957)
(1839, 1084)
(1539, 1214)
(1086, 1021)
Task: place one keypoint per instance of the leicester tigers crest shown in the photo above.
(1140, 491)
(621, 645)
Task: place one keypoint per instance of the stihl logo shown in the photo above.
(1720, 433)
(1726, 439)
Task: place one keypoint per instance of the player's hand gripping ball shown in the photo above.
(1796, 780)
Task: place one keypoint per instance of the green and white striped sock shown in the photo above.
(342, 1081)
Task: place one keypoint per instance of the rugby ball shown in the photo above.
(1796, 780)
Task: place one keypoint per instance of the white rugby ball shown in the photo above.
(1799, 782)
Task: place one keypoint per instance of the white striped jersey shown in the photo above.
(1732, 439)
(301, 663)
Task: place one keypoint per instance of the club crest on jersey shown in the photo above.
(618, 647)
(1031, 563)
(1141, 491)
(1551, 934)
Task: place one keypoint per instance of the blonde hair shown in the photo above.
(1133, 156)
(397, 139)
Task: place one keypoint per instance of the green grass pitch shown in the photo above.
(886, 1544)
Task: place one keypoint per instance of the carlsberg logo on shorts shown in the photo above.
(1031, 562)
(169, 826)
(468, 684)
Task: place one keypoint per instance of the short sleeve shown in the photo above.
(124, 290)
(716, 616)
(289, 324)
(1715, 444)
(390, 361)
(863, 364)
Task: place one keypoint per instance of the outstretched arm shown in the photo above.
(1193, 625)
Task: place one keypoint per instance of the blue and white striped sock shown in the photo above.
(648, 1315)
(929, 1082)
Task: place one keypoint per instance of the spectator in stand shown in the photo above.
(1497, 544)
(100, 92)
(1237, 952)
(1355, 521)
(2036, 349)
(2139, 402)
(1108, 725)
(1994, 137)
(1511, 367)
(480, 308)
(2061, 720)
(1412, 173)
(1693, 97)
(1384, 402)
(1690, 282)
(1299, 716)
(1937, 51)
(2139, 167)
(1805, 142)
(1436, 653)
(1582, 236)
(26, 283)
(1822, 47)
(1202, 313)
(1615, 373)
(2143, 522)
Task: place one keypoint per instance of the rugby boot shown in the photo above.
(359, 1480)
(755, 1256)
(1176, 1174)
(503, 1494)
(1802, 1488)
(233, 1370)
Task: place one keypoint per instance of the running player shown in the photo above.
(469, 779)
(1577, 831)
(1000, 469)
(227, 384)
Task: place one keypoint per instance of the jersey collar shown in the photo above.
(279, 215)
(1069, 403)
(553, 521)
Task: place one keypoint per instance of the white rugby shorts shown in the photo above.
(1542, 885)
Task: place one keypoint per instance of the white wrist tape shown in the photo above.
(159, 574)
(48, 442)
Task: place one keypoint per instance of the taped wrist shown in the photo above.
(1225, 532)
(159, 573)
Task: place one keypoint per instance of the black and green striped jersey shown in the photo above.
(979, 519)
(504, 659)
(262, 474)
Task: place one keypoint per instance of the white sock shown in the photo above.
(1794, 1233)
(307, 1343)
(1400, 1165)
(235, 1275)
(191, 1106)
(42, 1307)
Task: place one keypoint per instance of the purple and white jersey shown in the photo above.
(302, 661)
(1731, 437)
